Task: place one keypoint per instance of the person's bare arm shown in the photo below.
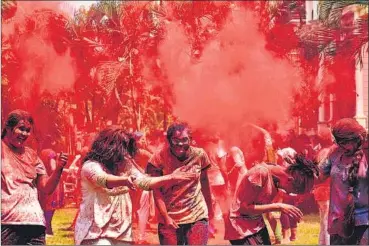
(158, 198)
(248, 207)
(46, 184)
(252, 209)
(160, 204)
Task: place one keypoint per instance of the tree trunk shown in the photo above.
(133, 99)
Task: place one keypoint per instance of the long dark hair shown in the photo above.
(112, 146)
(14, 118)
(304, 171)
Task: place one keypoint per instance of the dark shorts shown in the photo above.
(259, 238)
(196, 233)
(22, 235)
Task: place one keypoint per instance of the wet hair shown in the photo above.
(304, 171)
(179, 126)
(14, 118)
(112, 146)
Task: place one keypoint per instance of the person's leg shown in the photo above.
(285, 224)
(198, 233)
(293, 226)
(293, 234)
(48, 217)
(275, 225)
(323, 214)
(167, 236)
(10, 235)
(35, 235)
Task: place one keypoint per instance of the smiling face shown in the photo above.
(180, 143)
(18, 135)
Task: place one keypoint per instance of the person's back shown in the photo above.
(236, 167)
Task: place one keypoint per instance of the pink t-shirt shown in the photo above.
(19, 195)
(185, 201)
(256, 187)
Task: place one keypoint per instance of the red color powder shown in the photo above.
(236, 80)
(41, 66)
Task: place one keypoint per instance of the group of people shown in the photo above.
(184, 181)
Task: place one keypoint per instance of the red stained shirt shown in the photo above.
(185, 201)
(19, 195)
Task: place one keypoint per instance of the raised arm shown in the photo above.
(46, 184)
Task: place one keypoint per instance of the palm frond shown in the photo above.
(330, 12)
(8, 9)
(107, 74)
(316, 33)
(356, 42)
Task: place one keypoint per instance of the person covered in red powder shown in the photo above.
(217, 175)
(184, 208)
(49, 203)
(255, 193)
(322, 190)
(347, 166)
(108, 173)
(23, 176)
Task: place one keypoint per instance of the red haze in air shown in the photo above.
(236, 80)
(41, 66)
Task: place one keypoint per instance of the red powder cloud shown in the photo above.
(236, 80)
(40, 63)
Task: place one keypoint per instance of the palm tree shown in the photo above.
(126, 32)
(331, 34)
(340, 40)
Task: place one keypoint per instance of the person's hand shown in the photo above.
(169, 222)
(178, 175)
(291, 211)
(61, 161)
(129, 182)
